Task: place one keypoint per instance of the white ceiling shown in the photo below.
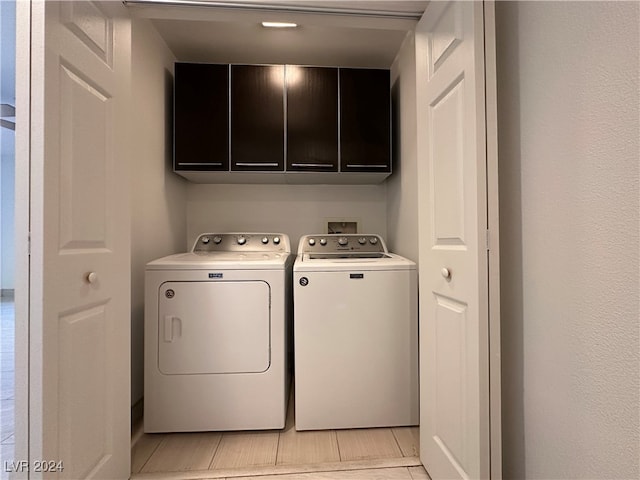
(333, 33)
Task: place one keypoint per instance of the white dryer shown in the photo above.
(355, 334)
(217, 321)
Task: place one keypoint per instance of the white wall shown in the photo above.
(402, 186)
(569, 157)
(7, 144)
(158, 195)
(7, 202)
(292, 209)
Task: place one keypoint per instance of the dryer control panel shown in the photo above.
(341, 244)
(242, 242)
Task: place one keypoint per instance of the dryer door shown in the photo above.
(214, 327)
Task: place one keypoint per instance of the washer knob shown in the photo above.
(265, 240)
(362, 240)
(323, 241)
(312, 241)
(373, 240)
(343, 241)
(276, 240)
(242, 240)
(217, 239)
(205, 240)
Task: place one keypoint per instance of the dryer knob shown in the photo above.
(312, 241)
(217, 239)
(362, 240)
(276, 240)
(242, 240)
(373, 240)
(323, 241)
(343, 241)
(205, 240)
(265, 240)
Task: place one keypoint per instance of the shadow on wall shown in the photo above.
(511, 267)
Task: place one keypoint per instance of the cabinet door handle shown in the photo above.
(215, 164)
(367, 166)
(323, 165)
(245, 164)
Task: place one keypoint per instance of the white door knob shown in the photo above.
(446, 273)
(92, 277)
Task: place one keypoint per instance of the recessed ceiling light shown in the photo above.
(279, 25)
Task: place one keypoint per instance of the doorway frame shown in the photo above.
(22, 235)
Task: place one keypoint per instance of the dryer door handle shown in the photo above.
(169, 321)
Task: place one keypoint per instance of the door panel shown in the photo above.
(257, 118)
(365, 120)
(214, 327)
(201, 117)
(80, 241)
(312, 119)
(85, 356)
(453, 224)
(84, 159)
(447, 122)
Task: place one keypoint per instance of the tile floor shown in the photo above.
(7, 368)
(376, 453)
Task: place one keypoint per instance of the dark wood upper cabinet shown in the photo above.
(201, 117)
(257, 118)
(312, 119)
(326, 121)
(365, 120)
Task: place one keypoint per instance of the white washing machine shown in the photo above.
(217, 321)
(355, 334)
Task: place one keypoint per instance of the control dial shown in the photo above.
(276, 240)
(373, 240)
(242, 240)
(323, 241)
(205, 240)
(217, 239)
(362, 240)
(265, 240)
(312, 241)
(343, 241)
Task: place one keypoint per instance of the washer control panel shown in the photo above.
(242, 242)
(337, 243)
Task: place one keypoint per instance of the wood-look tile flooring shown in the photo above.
(7, 372)
(360, 454)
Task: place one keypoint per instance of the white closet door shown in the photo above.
(80, 239)
(455, 435)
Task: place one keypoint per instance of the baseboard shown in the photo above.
(137, 410)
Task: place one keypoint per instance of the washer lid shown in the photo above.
(309, 263)
(221, 261)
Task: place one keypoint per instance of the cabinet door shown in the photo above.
(365, 120)
(257, 118)
(201, 117)
(312, 119)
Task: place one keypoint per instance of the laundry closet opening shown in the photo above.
(170, 213)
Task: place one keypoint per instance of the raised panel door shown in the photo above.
(79, 318)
